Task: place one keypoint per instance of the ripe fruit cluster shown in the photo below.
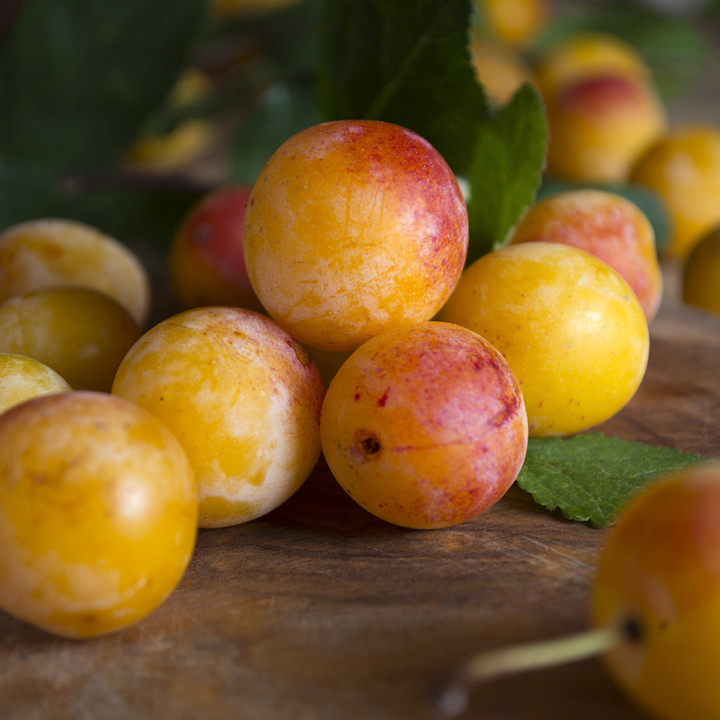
(351, 244)
(122, 441)
(118, 441)
(217, 414)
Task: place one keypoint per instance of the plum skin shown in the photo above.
(424, 426)
(242, 396)
(570, 327)
(607, 226)
(659, 570)
(98, 513)
(354, 227)
(206, 263)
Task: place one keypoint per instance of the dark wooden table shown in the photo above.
(318, 610)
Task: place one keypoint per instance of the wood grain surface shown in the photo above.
(318, 610)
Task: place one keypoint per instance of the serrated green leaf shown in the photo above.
(507, 167)
(407, 63)
(591, 477)
(78, 77)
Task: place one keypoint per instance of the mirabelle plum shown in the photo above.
(569, 326)
(243, 398)
(600, 125)
(659, 575)
(22, 378)
(51, 252)
(701, 273)
(500, 68)
(683, 167)
(588, 54)
(98, 513)
(80, 333)
(656, 606)
(354, 227)
(517, 22)
(424, 426)
(206, 260)
(606, 225)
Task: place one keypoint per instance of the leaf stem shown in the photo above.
(484, 667)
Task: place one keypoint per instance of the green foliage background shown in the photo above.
(80, 79)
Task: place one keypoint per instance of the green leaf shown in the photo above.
(591, 477)
(407, 63)
(78, 77)
(649, 201)
(507, 168)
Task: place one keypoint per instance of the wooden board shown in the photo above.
(318, 610)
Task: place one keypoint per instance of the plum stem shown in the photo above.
(486, 666)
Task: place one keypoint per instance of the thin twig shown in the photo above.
(484, 667)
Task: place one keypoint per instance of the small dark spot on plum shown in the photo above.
(383, 399)
(633, 629)
(370, 445)
(367, 444)
(357, 396)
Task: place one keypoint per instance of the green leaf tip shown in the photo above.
(591, 477)
(508, 165)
